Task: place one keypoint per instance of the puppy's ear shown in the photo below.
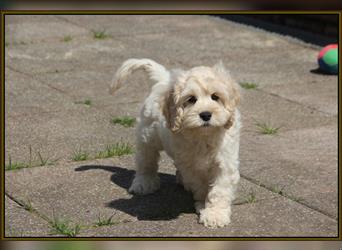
(233, 87)
(230, 121)
(172, 111)
(233, 92)
(170, 106)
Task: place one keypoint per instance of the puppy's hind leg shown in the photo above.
(146, 178)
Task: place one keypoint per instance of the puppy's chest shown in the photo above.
(200, 155)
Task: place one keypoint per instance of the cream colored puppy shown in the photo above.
(193, 116)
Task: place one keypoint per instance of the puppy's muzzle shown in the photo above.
(205, 116)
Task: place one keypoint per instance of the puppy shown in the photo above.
(193, 116)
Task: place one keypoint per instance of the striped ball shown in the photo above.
(328, 59)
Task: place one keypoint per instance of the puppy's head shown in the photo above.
(203, 97)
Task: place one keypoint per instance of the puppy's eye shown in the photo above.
(192, 99)
(214, 97)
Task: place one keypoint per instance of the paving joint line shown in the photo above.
(287, 197)
(98, 107)
(103, 69)
(121, 35)
(70, 22)
(49, 40)
(46, 218)
(298, 103)
(38, 80)
(52, 87)
(22, 205)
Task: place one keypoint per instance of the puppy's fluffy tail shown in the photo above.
(155, 71)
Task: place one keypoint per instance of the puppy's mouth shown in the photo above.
(206, 124)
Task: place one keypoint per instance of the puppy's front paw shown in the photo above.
(214, 217)
(143, 184)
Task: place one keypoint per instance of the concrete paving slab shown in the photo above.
(62, 56)
(232, 49)
(243, 224)
(318, 94)
(21, 223)
(272, 109)
(94, 85)
(55, 92)
(176, 44)
(132, 25)
(300, 163)
(260, 107)
(58, 135)
(26, 95)
(100, 188)
(301, 160)
(35, 28)
(295, 61)
(60, 193)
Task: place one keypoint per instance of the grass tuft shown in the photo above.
(67, 39)
(126, 121)
(44, 161)
(60, 226)
(267, 129)
(248, 85)
(277, 189)
(250, 197)
(117, 149)
(280, 191)
(80, 155)
(100, 34)
(87, 102)
(105, 221)
(28, 206)
(294, 198)
(15, 165)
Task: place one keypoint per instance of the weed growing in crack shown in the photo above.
(251, 197)
(67, 39)
(126, 121)
(15, 165)
(267, 129)
(87, 102)
(105, 221)
(80, 155)
(100, 34)
(61, 226)
(117, 149)
(248, 85)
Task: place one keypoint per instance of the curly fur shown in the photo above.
(205, 153)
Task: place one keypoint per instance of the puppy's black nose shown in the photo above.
(205, 116)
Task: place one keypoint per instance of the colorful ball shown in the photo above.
(328, 59)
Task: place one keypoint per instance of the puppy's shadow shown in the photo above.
(167, 203)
